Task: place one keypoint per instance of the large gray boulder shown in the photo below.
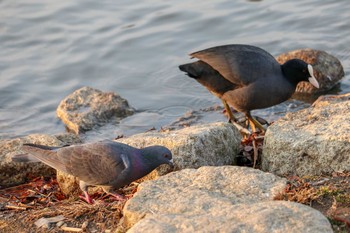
(212, 144)
(327, 69)
(312, 141)
(87, 108)
(218, 199)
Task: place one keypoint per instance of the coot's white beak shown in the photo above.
(312, 79)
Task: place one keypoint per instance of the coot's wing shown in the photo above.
(240, 64)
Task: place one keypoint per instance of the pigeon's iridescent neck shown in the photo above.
(141, 165)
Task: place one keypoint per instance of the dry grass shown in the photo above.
(98, 217)
(20, 209)
(328, 194)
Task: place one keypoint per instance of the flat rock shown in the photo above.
(211, 144)
(218, 199)
(200, 191)
(327, 69)
(263, 217)
(87, 108)
(312, 141)
(12, 173)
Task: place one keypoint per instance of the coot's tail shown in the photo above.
(191, 69)
(208, 77)
(199, 70)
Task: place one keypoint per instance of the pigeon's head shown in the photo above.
(158, 155)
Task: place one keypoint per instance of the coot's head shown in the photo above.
(297, 70)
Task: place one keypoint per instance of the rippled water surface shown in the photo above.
(48, 49)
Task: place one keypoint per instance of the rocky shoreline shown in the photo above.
(207, 183)
(207, 192)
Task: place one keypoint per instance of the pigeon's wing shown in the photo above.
(240, 64)
(96, 163)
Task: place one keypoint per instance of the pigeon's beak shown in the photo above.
(312, 79)
(171, 163)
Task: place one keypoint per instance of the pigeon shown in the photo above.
(107, 164)
(247, 77)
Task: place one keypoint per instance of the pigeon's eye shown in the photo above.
(166, 156)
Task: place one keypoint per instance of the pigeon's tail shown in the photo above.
(41, 146)
(45, 154)
(39, 151)
(28, 157)
(24, 158)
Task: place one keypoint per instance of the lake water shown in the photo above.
(48, 49)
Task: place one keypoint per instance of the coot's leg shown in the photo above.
(229, 112)
(233, 120)
(252, 125)
(253, 122)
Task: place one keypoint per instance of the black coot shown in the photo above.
(247, 77)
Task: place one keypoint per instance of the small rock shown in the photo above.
(46, 222)
(87, 108)
(69, 184)
(327, 69)
(85, 225)
(42, 222)
(59, 224)
(312, 141)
